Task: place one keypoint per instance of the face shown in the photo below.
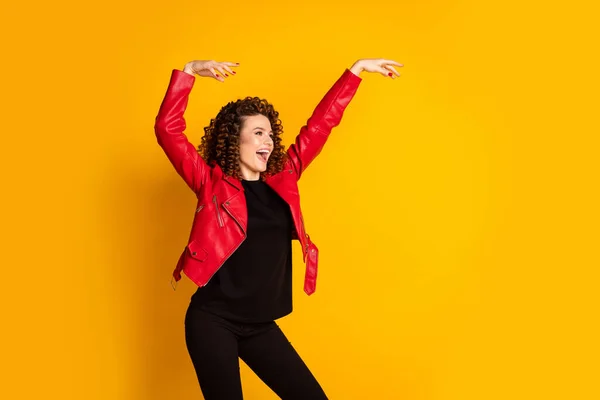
(255, 137)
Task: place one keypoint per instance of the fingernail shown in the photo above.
(226, 75)
(390, 74)
(233, 72)
(217, 75)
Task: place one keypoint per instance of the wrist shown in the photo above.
(356, 68)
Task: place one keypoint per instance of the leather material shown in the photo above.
(220, 219)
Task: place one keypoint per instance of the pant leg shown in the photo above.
(273, 358)
(213, 348)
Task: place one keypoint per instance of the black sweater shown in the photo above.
(255, 283)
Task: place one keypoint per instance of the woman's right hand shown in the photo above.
(210, 68)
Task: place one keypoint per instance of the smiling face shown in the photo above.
(256, 145)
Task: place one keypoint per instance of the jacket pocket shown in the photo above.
(196, 251)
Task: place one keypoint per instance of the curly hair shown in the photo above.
(220, 143)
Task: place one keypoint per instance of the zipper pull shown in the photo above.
(219, 218)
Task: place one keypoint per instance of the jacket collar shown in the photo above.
(233, 181)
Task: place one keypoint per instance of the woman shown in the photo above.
(239, 252)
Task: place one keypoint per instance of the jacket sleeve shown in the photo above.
(169, 126)
(325, 117)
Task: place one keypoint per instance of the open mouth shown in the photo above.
(263, 156)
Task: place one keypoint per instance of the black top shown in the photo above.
(255, 282)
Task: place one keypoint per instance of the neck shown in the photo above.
(249, 175)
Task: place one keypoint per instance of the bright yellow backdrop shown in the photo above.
(456, 208)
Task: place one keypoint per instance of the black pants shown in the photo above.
(215, 343)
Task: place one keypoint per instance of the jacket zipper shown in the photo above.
(231, 252)
(199, 208)
(219, 219)
(224, 261)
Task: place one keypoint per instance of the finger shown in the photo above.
(233, 64)
(390, 68)
(385, 72)
(392, 62)
(221, 70)
(228, 70)
(216, 75)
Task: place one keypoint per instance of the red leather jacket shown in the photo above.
(220, 219)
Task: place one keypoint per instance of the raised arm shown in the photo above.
(170, 124)
(328, 113)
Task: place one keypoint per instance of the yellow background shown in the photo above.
(456, 207)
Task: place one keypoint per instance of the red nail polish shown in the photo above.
(390, 74)
(233, 72)
(217, 75)
(226, 75)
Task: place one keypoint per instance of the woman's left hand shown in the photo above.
(381, 65)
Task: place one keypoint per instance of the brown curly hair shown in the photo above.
(220, 143)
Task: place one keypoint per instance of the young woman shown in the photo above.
(239, 252)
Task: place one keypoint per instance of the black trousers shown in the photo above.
(215, 343)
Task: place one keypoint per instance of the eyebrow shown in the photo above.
(258, 127)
